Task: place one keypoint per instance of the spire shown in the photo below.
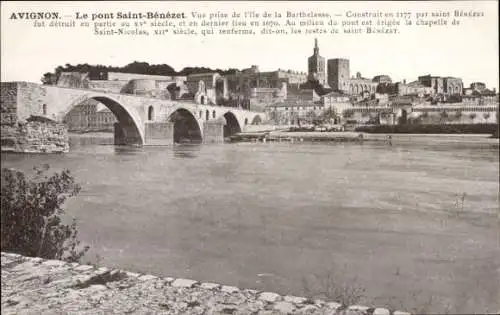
(316, 48)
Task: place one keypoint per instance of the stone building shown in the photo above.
(292, 112)
(301, 104)
(147, 87)
(442, 85)
(478, 86)
(207, 88)
(262, 88)
(338, 74)
(413, 88)
(105, 119)
(90, 116)
(382, 78)
(25, 123)
(338, 102)
(316, 66)
(156, 86)
(359, 86)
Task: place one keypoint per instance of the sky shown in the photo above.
(469, 50)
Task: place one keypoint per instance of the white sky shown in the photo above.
(469, 51)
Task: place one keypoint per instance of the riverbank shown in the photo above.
(489, 129)
(352, 136)
(283, 136)
(35, 286)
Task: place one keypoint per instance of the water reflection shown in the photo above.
(189, 151)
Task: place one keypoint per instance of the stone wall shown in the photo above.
(159, 133)
(20, 132)
(458, 115)
(30, 95)
(107, 86)
(425, 115)
(213, 131)
(34, 137)
(8, 112)
(38, 286)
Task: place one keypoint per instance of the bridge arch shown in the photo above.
(130, 128)
(186, 127)
(257, 120)
(232, 125)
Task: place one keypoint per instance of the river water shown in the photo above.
(413, 225)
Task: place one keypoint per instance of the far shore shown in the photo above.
(277, 135)
(363, 136)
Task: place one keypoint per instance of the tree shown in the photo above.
(97, 72)
(275, 117)
(49, 78)
(348, 113)
(30, 211)
(311, 116)
(328, 115)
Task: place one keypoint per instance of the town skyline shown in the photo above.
(468, 51)
(354, 71)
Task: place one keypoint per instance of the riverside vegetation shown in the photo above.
(31, 212)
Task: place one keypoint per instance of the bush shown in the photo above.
(30, 213)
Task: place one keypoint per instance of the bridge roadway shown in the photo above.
(146, 120)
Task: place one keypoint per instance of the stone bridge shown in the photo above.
(141, 120)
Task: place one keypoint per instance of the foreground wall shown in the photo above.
(34, 137)
(18, 133)
(37, 286)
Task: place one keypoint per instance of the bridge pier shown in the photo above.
(213, 131)
(126, 135)
(159, 133)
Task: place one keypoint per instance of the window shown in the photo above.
(150, 113)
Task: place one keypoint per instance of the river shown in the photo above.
(413, 225)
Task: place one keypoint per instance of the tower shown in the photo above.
(338, 74)
(316, 65)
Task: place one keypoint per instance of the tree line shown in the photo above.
(97, 72)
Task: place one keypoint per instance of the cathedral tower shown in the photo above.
(316, 66)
